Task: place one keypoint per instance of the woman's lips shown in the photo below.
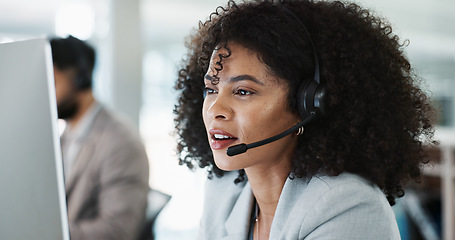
(220, 139)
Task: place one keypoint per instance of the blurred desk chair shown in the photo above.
(156, 202)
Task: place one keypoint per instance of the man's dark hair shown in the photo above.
(71, 52)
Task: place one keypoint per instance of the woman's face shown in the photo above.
(248, 104)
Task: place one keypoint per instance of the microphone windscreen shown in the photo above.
(237, 149)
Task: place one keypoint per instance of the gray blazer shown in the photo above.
(342, 207)
(108, 185)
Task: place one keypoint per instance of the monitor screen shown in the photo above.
(32, 201)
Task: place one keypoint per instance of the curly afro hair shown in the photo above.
(377, 119)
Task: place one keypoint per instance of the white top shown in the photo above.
(73, 137)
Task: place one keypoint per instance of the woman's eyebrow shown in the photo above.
(245, 77)
(237, 78)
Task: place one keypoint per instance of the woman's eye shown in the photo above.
(208, 91)
(244, 92)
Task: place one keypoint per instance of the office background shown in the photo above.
(140, 44)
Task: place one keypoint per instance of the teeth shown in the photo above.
(220, 136)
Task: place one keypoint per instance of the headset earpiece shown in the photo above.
(310, 99)
(311, 96)
(320, 99)
(83, 81)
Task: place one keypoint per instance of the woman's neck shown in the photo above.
(267, 190)
(267, 184)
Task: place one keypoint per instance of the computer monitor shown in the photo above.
(32, 194)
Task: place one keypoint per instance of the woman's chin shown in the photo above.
(227, 163)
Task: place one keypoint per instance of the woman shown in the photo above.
(259, 68)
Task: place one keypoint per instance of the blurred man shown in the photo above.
(106, 167)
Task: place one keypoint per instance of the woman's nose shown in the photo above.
(220, 108)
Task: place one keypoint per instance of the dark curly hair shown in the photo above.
(377, 120)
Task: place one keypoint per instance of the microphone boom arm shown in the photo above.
(241, 148)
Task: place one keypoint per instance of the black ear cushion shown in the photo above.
(320, 100)
(84, 77)
(311, 99)
(83, 82)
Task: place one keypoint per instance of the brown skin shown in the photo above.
(249, 110)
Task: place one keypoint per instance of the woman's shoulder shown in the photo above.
(330, 205)
(320, 188)
(346, 190)
(343, 180)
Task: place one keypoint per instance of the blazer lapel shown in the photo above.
(86, 151)
(238, 223)
(81, 162)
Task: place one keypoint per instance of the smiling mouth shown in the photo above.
(221, 137)
(221, 141)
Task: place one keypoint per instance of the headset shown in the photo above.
(310, 98)
(83, 79)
